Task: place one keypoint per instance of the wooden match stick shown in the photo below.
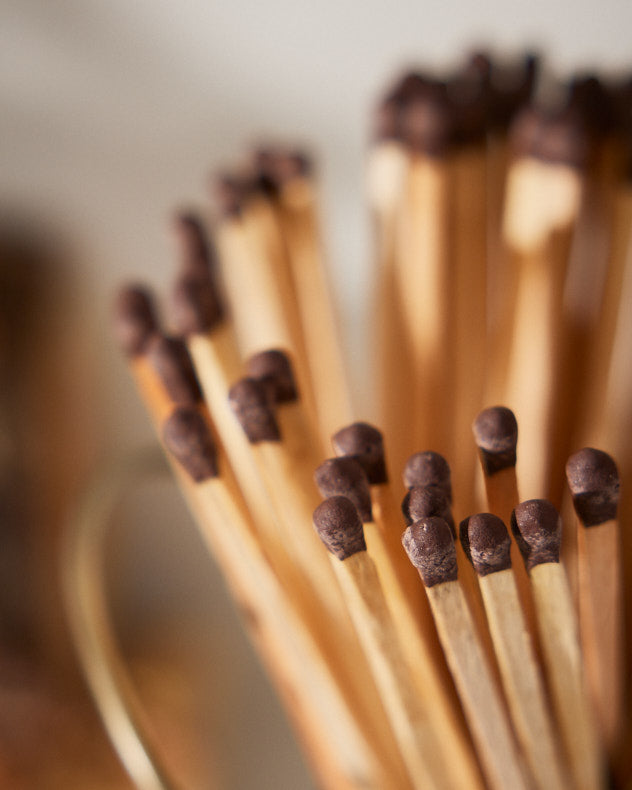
(333, 742)
(340, 528)
(344, 476)
(297, 214)
(430, 546)
(496, 434)
(537, 527)
(544, 191)
(594, 483)
(256, 274)
(431, 469)
(487, 545)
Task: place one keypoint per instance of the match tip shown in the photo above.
(537, 527)
(188, 438)
(194, 248)
(593, 479)
(496, 435)
(251, 403)
(339, 527)
(364, 443)
(134, 320)
(195, 303)
(430, 548)
(427, 120)
(428, 469)
(278, 166)
(169, 357)
(426, 501)
(486, 542)
(345, 477)
(553, 136)
(274, 369)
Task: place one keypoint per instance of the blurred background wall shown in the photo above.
(114, 113)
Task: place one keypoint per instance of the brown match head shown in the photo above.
(230, 193)
(170, 360)
(425, 501)
(428, 469)
(553, 136)
(427, 120)
(274, 369)
(339, 527)
(430, 547)
(194, 248)
(188, 438)
(134, 321)
(277, 166)
(593, 479)
(537, 528)
(345, 477)
(195, 303)
(251, 403)
(496, 435)
(364, 443)
(486, 543)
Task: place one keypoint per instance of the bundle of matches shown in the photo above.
(502, 212)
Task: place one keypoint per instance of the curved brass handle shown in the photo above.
(92, 633)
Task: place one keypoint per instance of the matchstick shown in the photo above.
(340, 528)
(431, 549)
(487, 545)
(593, 480)
(296, 211)
(431, 469)
(544, 191)
(496, 434)
(537, 528)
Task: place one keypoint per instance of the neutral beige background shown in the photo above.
(113, 112)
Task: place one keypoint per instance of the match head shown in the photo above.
(496, 435)
(537, 527)
(339, 527)
(553, 136)
(188, 438)
(427, 120)
(345, 477)
(194, 248)
(428, 469)
(251, 403)
(593, 479)
(430, 548)
(486, 543)
(364, 443)
(425, 501)
(135, 319)
(195, 303)
(170, 360)
(277, 166)
(274, 369)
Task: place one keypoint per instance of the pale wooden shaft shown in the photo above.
(601, 625)
(522, 681)
(479, 695)
(422, 283)
(423, 664)
(560, 644)
(468, 305)
(418, 743)
(542, 206)
(318, 320)
(501, 490)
